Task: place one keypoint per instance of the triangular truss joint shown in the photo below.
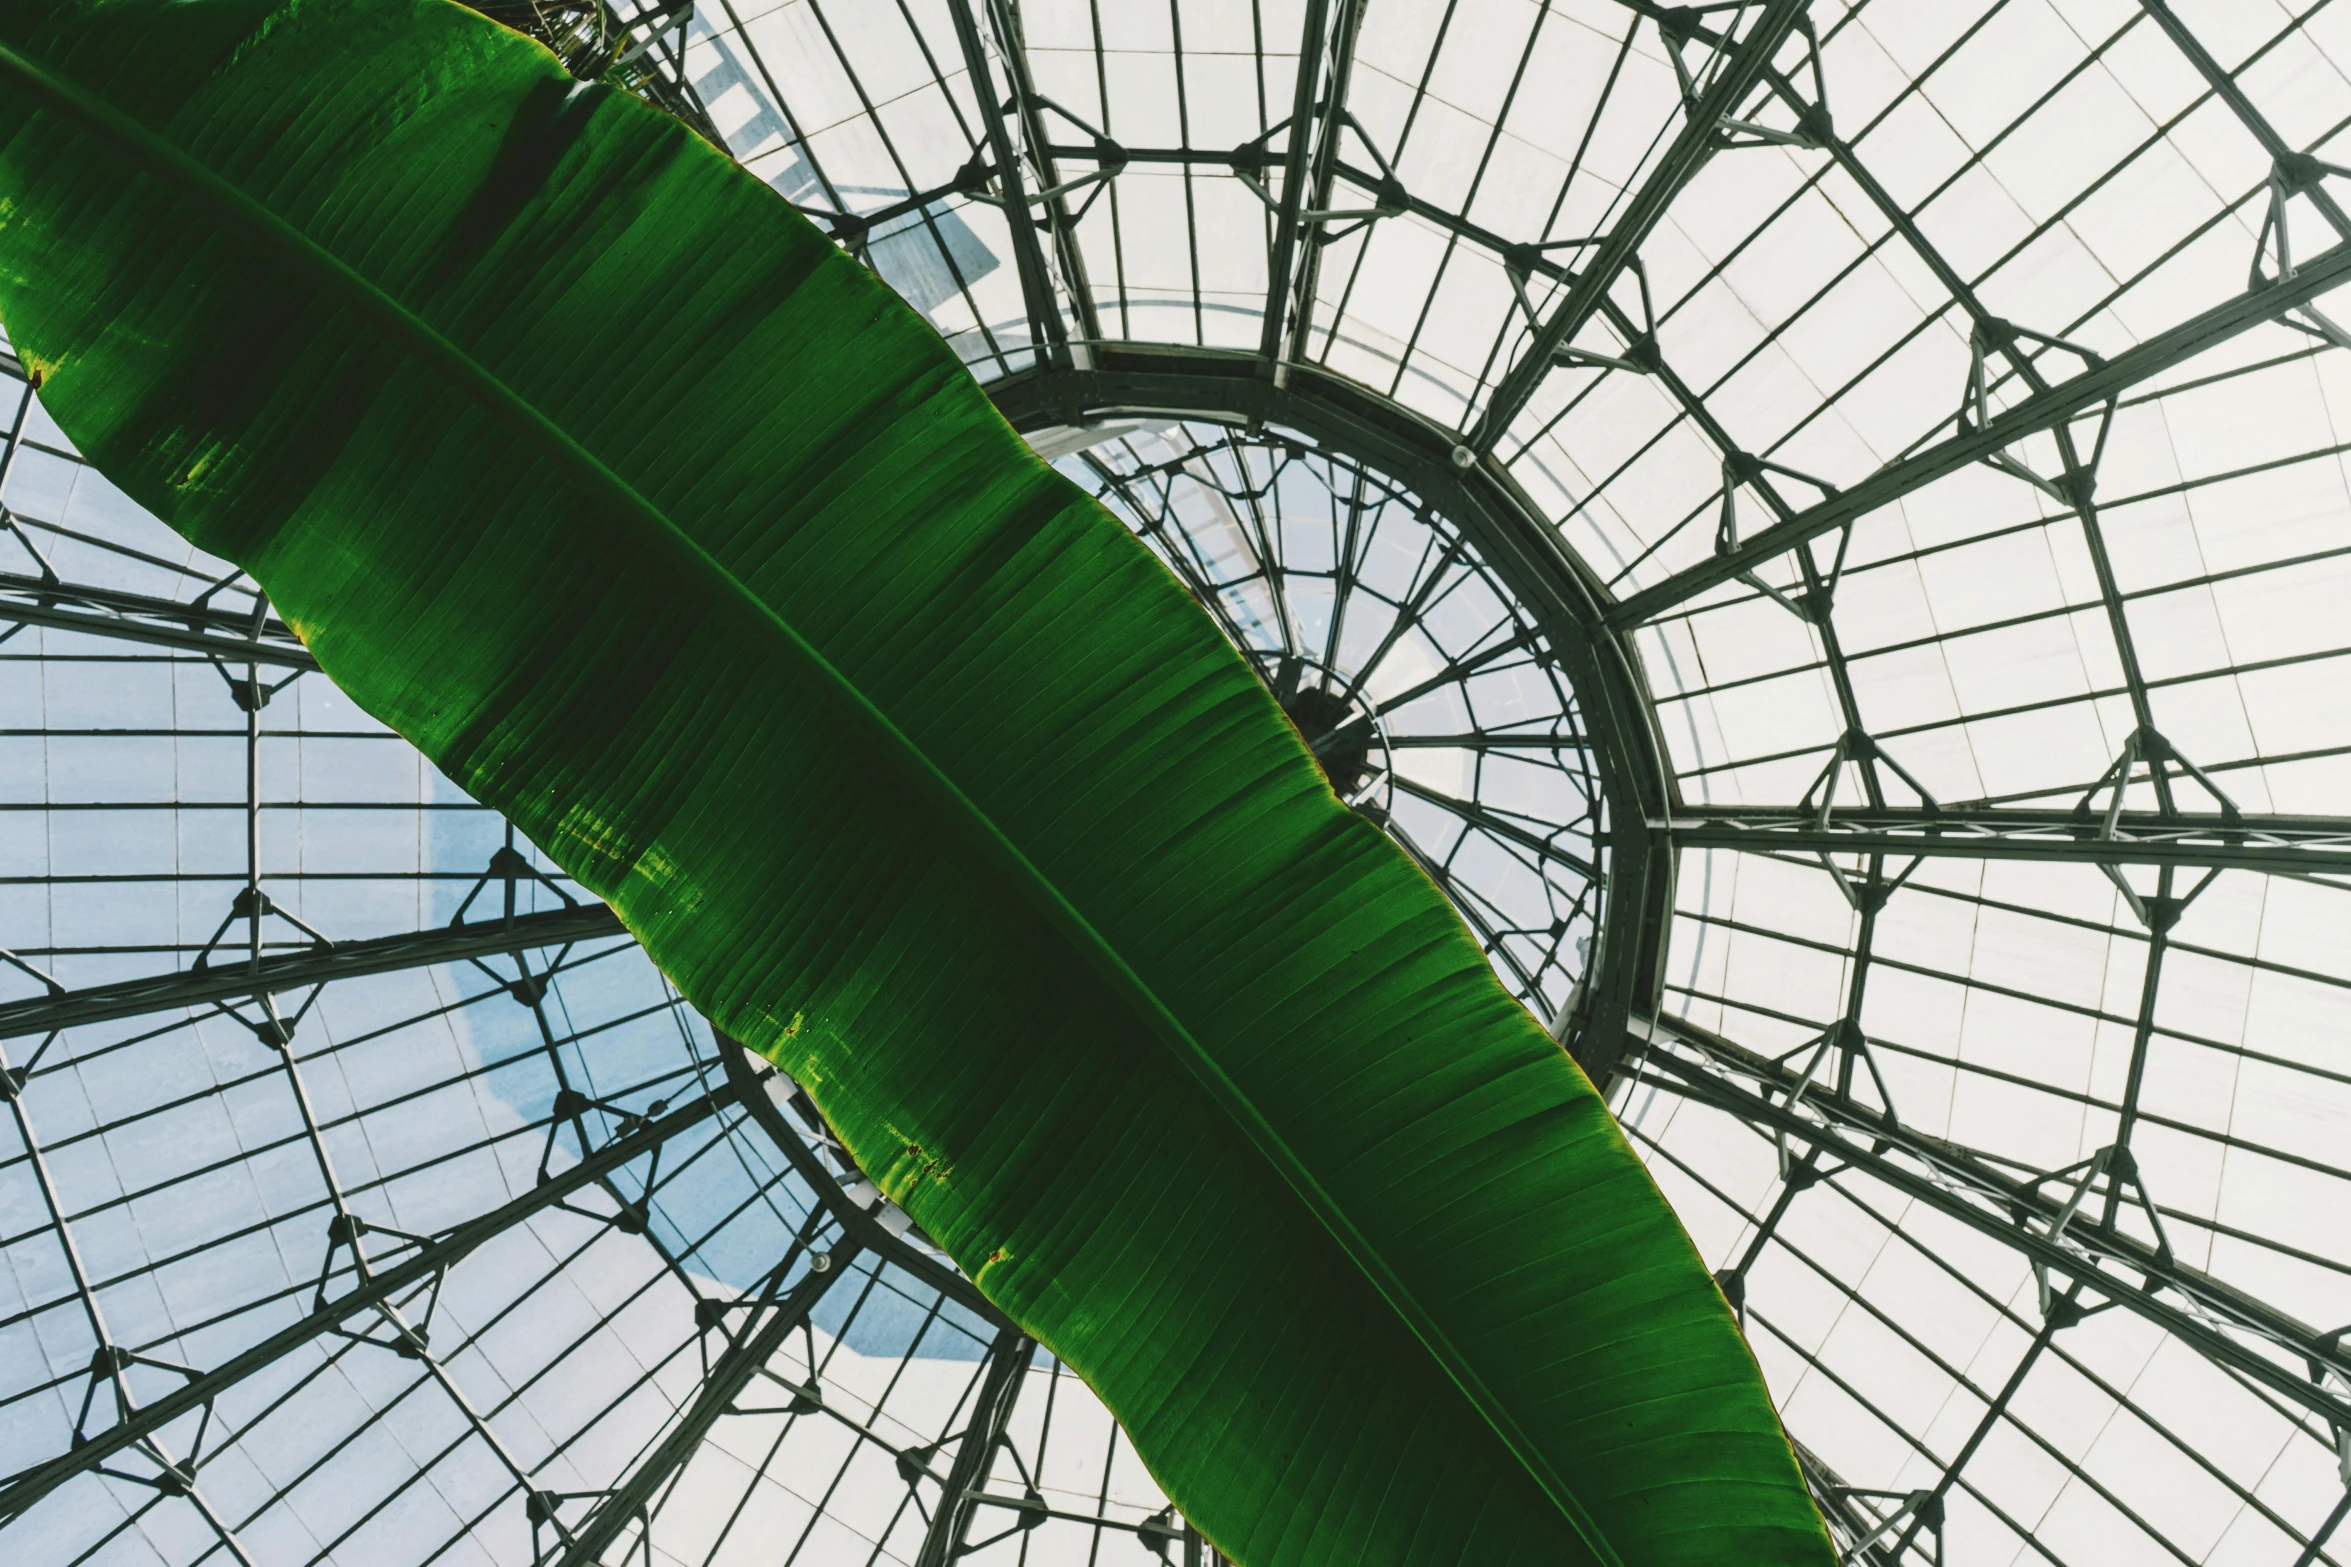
(2295, 175)
(1999, 350)
(1812, 127)
(1640, 354)
(1745, 470)
(2334, 1370)
(2166, 767)
(2112, 1175)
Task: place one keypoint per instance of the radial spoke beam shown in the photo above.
(2102, 381)
(2226, 88)
(154, 622)
(1028, 108)
(276, 972)
(414, 1271)
(2286, 845)
(1315, 104)
(1282, 258)
(1050, 337)
(991, 1412)
(2263, 1346)
(1306, 262)
(743, 1359)
(1697, 141)
(1522, 836)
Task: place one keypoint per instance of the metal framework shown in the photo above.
(2070, 1243)
(2157, 825)
(442, 1129)
(637, 1159)
(1406, 619)
(1352, 361)
(209, 986)
(2102, 382)
(2200, 841)
(639, 45)
(133, 617)
(1503, 541)
(1732, 72)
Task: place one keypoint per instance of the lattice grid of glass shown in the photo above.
(1947, 396)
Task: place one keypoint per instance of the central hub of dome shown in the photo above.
(1423, 688)
(1338, 731)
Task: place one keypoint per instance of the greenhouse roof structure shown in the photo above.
(1821, 526)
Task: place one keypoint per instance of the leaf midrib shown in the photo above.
(165, 160)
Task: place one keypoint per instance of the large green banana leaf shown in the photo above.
(583, 461)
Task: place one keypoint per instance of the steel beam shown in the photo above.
(2287, 845)
(1027, 104)
(991, 1411)
(1306, 262)
(726, 1379)
(156, 622)
(1375, 187)
(1047, 333)
(2226, 88)
(1640, 214)
(412, 1272)
(2326, 1530)
(2107, 379)
(1835, 1499)
(2262, 1345)
(239, 979)
(1306, 132)
(752, 1077)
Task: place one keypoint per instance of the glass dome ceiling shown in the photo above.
(1857, 497)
